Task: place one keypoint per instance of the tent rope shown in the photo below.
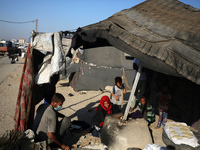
(124, 79)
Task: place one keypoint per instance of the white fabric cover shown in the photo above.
(180, 133)
(49, 44)
(155, 147)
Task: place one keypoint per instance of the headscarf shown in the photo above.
(107, 99)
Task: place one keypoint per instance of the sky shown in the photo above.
(58, 15)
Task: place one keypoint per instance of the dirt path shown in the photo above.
(8, 96)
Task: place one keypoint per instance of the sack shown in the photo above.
(155, 147)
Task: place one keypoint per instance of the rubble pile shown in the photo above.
(87, 140)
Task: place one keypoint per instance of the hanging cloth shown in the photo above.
(25, 107)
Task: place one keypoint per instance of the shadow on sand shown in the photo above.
(86, 114)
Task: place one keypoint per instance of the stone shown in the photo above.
(134, 133)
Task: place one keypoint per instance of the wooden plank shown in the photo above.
(132, 93)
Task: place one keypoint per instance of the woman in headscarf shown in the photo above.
(105, 107)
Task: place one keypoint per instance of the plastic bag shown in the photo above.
(154, 147)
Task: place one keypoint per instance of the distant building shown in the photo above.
(2, 40)
(14, 40)
(21, 41)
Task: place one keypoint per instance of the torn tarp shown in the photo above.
(50, 44)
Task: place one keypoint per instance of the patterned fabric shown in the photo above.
(147, 111)
(162, 118)
(25, 105)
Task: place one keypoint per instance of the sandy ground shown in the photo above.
(8, 97)
(76, 106)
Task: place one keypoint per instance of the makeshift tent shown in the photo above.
(45, 60)
(164, 35)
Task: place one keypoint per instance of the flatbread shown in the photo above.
(173, 125)
(187, 134)
(177, 137)
(185, 129)
(173, 132)
(188, 137)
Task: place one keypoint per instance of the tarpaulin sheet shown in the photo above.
(164, 35)
(54, 62)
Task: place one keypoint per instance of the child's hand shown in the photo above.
(117, 98)
(124, 89)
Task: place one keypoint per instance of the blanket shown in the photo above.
(25, 106)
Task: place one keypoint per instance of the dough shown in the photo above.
(187, 134)
(188, 137)
(173, 132)
(185, 129)
(177, 137)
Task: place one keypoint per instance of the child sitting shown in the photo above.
(117, 92)
(145, 110)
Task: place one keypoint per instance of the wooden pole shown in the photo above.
(36, 25)
(132, 92)
(123, 89)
